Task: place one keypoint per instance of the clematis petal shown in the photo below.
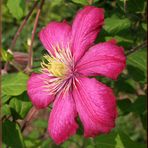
(96, 106)
(62, 123)
(105, 59)
(86, 26)
(55, 34)
(36, 91)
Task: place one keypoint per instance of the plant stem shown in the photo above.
(30, 52)
(18, 33)
(16, 65)
(144, 44)
(32, 112)
(22, 26)
(6, 66)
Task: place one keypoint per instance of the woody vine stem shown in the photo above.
(33, 111)
(27, 70)
(30, 51)
(12, 45)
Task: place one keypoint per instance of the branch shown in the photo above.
(32, 112)
(30, 58)
(22, 26)
(18, 33)
(144, 44)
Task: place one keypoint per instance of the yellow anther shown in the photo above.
(57, 68)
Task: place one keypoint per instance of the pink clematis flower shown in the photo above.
(72, 57)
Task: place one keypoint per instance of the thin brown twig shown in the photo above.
(125, 5)
(16, 65)
(144, 44)
(18, 33)
(30, 51)
(32, 112)
(5, 118)
(22, 26)
(6, 66)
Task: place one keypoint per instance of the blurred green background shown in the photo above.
(125, 20)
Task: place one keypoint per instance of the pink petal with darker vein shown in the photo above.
(54, 34)
(36, 91)
(105, 59)
(86, 26)
(62, 123)
(96, 106)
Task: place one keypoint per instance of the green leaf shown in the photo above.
(12, 135)
(125, 85)
(136, 73)
(6, 56)
(20, 106)
(144, 26)
(6, 110)
(34, 134)
(95, 1)
(128, 143)
(108, 141)
(119, 39)
(127, 5)
(14, 84)
(139, 106)
(80, 129)
(46, 143)
(29, 143)
(4, 145)
(36, 143)
(5, 98)
(114, 25)
(116, 140)
(138, 60)
(144, 119)
(124, 106)
(40, 123)
(82, 2)
(16, 7)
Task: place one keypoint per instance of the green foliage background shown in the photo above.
(125, 20)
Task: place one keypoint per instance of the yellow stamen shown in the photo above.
(53, 65)
(57, 68)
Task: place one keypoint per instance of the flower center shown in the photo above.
(57, 68)
(54, 66)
